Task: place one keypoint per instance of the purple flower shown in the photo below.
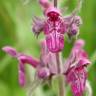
(11, 51)
(46, 67)
(43, 72)
(73, 23)
(42, 66)
(23, 59)
(38, 25)
(54, 29)
(75, 72)
(48, 58)
(54, 26)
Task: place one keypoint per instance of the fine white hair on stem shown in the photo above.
(78, 7)
(25, 2)
(74, 12)
(88, 88)
(33, 86)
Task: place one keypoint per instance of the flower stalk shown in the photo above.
(61, 86)
(55, 3)
(58, 62)
(60, 77)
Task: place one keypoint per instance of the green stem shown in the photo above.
(61, 80)
(61, 86)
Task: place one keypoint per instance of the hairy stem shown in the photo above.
(60, 78)
(55, 3)
(58, 62)
(61, 86)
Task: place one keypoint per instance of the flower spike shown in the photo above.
(50, 64)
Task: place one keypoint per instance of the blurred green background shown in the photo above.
(15, 30)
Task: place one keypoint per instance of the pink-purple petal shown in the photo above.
(22, 80)
(76, 73)
(38, 25)
(77, 80)
(45, 3)
(79, 44)
(29, 60)
(49, 59)
(9, 50)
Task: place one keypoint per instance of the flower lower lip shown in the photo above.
(55, 47)
(54, 50)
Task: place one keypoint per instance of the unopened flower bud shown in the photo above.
(38, 25)
(43, 73)
(78, 20)
(74, 29)
(11, 51)
(44, 3)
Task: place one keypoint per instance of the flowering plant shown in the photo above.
(50, 63)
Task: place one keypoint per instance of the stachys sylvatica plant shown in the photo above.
(50, 64)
